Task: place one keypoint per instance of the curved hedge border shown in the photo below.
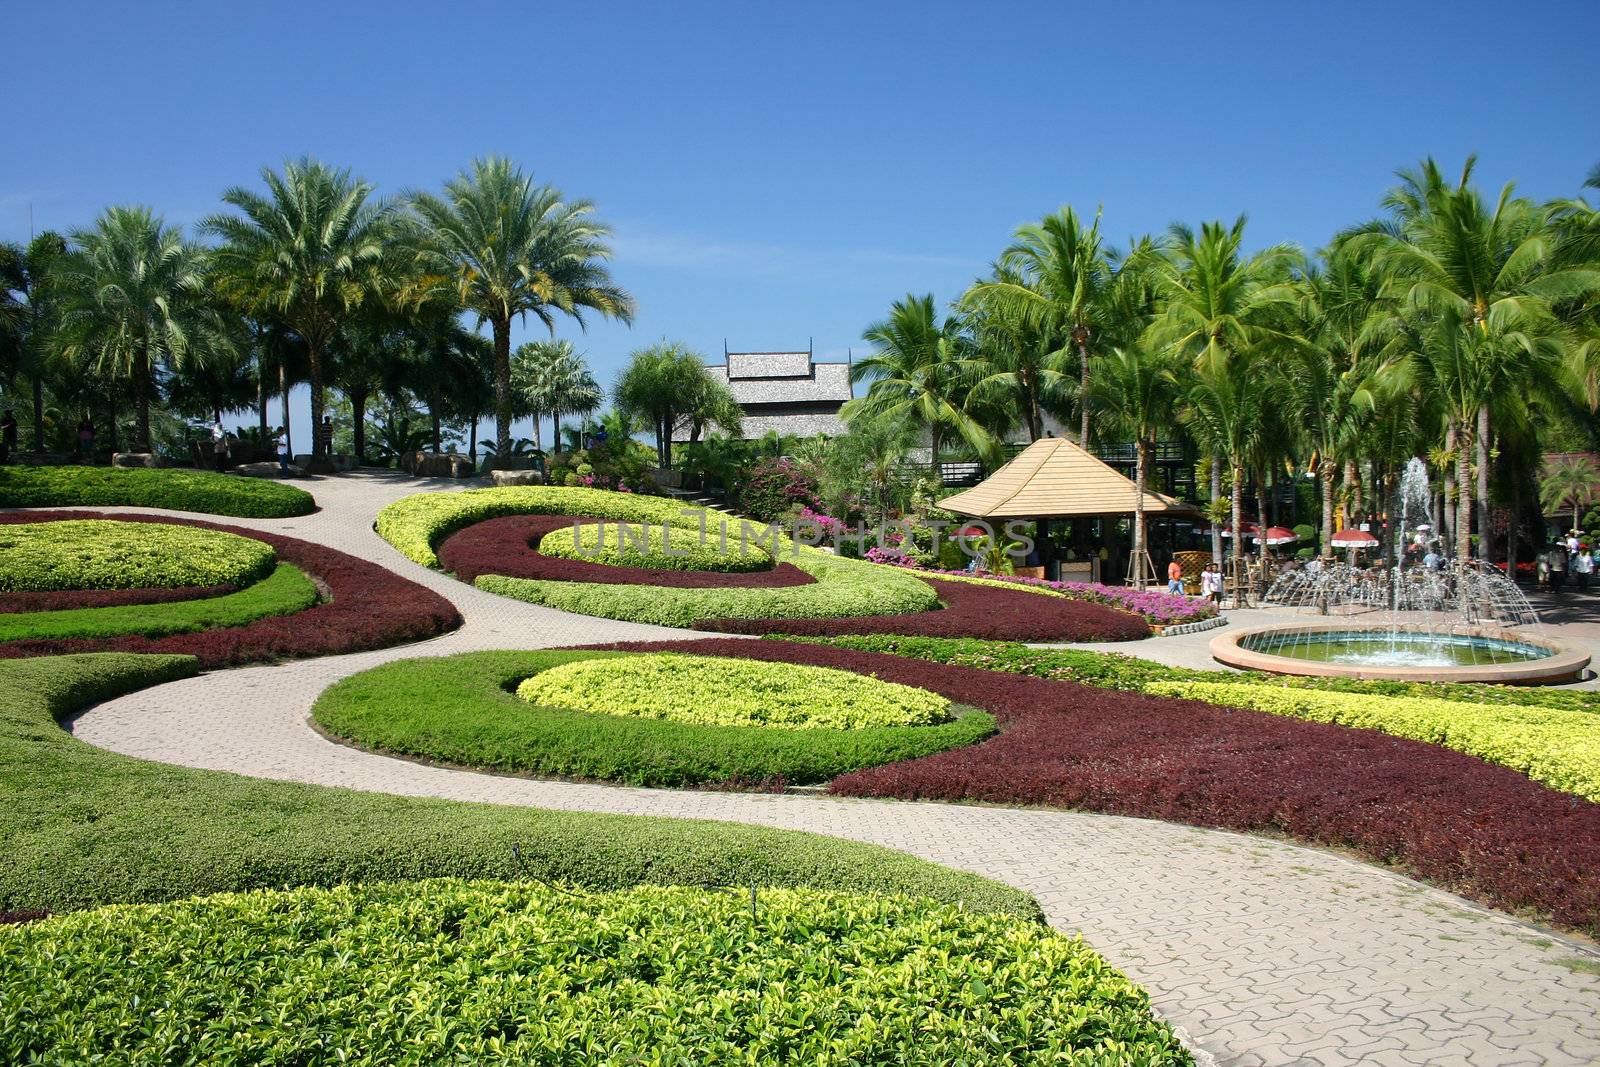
(177, 490)
(504, 546)
(82, 554)
(68, 599)
(618, 545)
(971, 609)
(283, 592)
(1485, 831)
(85, 827)
(457, 709)
(485, 972)
(369, 607)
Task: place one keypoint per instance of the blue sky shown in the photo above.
(782, 172)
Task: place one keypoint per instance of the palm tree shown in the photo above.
(1135, 389)
(1570, 481)
(132, 291)
(30, 305)
(659, 386)
(1221, 311)
(554, 379)
(1016, 359)
(1057, 271)
(921, 371)
(512, 249)
(307, 254)
(1491, 275)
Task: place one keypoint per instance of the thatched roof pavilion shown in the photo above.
(1055, 479)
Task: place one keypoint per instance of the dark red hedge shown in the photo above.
(1483, 830)
(65, 599)
(505, 546)
(970, 610)
(370, 607)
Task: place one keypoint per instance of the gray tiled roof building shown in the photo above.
(789, 392)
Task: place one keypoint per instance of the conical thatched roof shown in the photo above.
(1055, 479)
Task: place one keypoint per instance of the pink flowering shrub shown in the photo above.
(1156, 606)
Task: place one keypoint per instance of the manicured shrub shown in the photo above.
(63, 599)
(369, 607)
(1558, 748)
(457, 709)
(284, 592)
(485, 972)
(102, 554)
(774, 487)
(723, 692)
(1484, 830)
(504, 546)
(84, 827)
(654, 546)
(1156, 606)
(842, 588)
(177, 490)
(1108, 670)
(970, 610)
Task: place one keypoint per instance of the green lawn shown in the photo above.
(178, 489)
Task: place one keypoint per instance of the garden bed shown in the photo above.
(176, 490)
(1483, 830)
(487, 972)
(368, 607)
(459, 710)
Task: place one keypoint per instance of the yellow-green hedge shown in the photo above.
(619, 545)
(713, 691)
(1558, 748)
(106, 554)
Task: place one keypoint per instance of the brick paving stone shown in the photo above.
(1261, 952)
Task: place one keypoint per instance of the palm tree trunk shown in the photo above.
(1463, 492)
(555, 432)
(1325, 477)
(1512, 524)
(283, 391)
(1083, 393)
(1485, 549)
(261, 400)
(472, 442)
(1216, 491)
(538, 434)
(358, 417)
(1236, 502)
(1137, 572)
(141, 401)
(502, 387)
(38, 413)
(319, 447)
(1352, 482)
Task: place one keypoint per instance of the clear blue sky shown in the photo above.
(781, 172)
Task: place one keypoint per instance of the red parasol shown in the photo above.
(1277, 535)
(1354, 539)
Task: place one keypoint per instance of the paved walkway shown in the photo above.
(1260, 952)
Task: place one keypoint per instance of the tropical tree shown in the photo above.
(28, 307)
(1057, 274)
(1017, 365)
(660, 385)
(1570, 481)
(1135, 390)
(511, 249)
(552, 378)
(308, 254)
(132, 291)
(921, 371)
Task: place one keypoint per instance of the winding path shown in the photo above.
(1261, 952)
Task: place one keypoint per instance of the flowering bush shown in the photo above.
(720, 692)
(776, 486)
(504, 546)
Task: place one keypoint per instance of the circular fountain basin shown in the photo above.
(1410, 654)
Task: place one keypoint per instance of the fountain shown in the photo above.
(1438, 620)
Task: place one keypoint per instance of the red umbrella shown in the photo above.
(1250, 528)
(1277, 535)
(1353, 539)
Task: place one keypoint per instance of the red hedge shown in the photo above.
(504, 546)
(371, 607)
(65, 599)
(1484, 830)
(970, 610)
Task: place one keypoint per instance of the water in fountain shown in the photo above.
(1408, 613)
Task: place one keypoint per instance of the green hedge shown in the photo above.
(83, 827)
(457, 709)
(177, 490)
(1558, 748)
(619, 545)
(482, 972)
(717, 691)
(105, 554)
(285, 591)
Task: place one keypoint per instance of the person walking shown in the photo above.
(219, 446)
(325, 437)
(1211, 584)
(1175, 577)
(86, 440)
(1582, 567)
(1558, 569)
(8, 436)
(280, 445)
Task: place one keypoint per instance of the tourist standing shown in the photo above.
(86, 439)
(8, 436)
(325, 437)
(1558, 569)
(1211, 584)
(280, 445)
(1582, 567)
(1175, 577)
(219, 446)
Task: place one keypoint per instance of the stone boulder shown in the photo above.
(265, 469)
(517, 478)
(438, 465)
(135, 459)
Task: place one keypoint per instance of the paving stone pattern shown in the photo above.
(1261, 952)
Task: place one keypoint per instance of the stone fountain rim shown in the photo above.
(1566, 662)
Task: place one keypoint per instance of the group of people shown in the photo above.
(1210, 581)
(1561, 559)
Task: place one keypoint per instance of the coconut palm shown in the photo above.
(307, 254)
(660, 385)
(1570, 481)
(1056, 271)
(511, 249)
(1017, 366)
(132, 300)
(1135, 390)
(921, 372)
